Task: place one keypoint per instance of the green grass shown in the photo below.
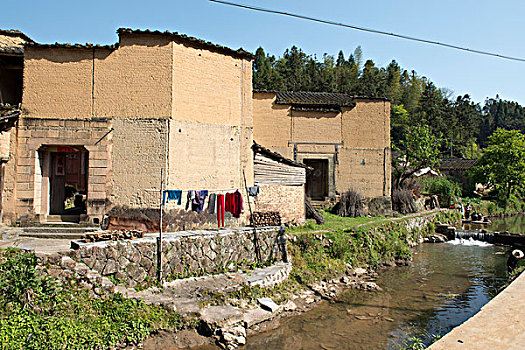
(334, 223)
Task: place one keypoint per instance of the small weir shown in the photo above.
(476, 235)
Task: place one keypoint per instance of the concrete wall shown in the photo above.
(355, 134)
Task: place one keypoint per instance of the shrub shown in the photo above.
(36, 312)
(350, 204)
(403, 201)
(444, 188)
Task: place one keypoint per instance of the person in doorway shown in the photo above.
(514, 259)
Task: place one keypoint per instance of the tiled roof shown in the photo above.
(72, 46)
(456, 164)
(276, 156)
(191, 40)
(8, 116)
(316, 98)
(17, 33)
(173, 35)
(12, 50)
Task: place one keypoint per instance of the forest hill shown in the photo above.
(462, 124)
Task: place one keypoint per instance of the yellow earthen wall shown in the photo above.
(139, 154)
(272, 122)
(369, 178)
(367, 125)
(206, 156)
(210, 87)
(135, 80)
(316, 127)
(58, 82)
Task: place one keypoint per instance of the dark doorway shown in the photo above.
(317, 179)
(68, 181)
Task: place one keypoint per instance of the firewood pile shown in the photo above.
(269, 218)
(114, 235)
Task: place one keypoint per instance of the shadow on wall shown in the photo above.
(147, 219)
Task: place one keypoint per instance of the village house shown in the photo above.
(98, 123)
(102, 121)
(345, 139)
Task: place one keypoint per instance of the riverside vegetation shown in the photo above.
(39, 312)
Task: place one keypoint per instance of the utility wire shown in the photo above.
(375, 31)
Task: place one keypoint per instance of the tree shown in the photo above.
(265, 77)
(502, 165)
(419, 150)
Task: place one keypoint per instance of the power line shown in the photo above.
(375, 31)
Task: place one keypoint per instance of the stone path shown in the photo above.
(500, 324)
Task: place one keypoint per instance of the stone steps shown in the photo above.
(267, 276)
(53, 232)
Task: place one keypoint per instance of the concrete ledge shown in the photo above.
(500, 324)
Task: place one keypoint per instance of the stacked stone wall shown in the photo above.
(184, 254)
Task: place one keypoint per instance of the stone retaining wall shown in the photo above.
(184, 254)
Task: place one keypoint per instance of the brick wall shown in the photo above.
(287, 200)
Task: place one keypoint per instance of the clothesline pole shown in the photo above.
(159, 239)
(255, 238)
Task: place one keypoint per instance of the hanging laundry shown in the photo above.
(211, 203)
(172, 195)
(190, 197)
(234, 203)
(253, 191)
(198, 202)
(220, 210)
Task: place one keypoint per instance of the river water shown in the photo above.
(445, 285)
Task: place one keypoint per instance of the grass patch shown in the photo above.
(333, 223)
(37, 312)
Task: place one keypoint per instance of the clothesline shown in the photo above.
(213, 190)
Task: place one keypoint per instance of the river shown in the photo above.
(444, 286)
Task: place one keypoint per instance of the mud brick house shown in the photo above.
(345, 139)
(282, 185)
(103, 120)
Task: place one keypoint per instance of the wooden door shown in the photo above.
(317, 179)
(57, 183)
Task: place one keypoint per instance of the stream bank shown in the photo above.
(324, 266)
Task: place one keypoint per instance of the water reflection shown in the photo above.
(445, 285)
(514, 224)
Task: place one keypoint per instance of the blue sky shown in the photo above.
(484, 25)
